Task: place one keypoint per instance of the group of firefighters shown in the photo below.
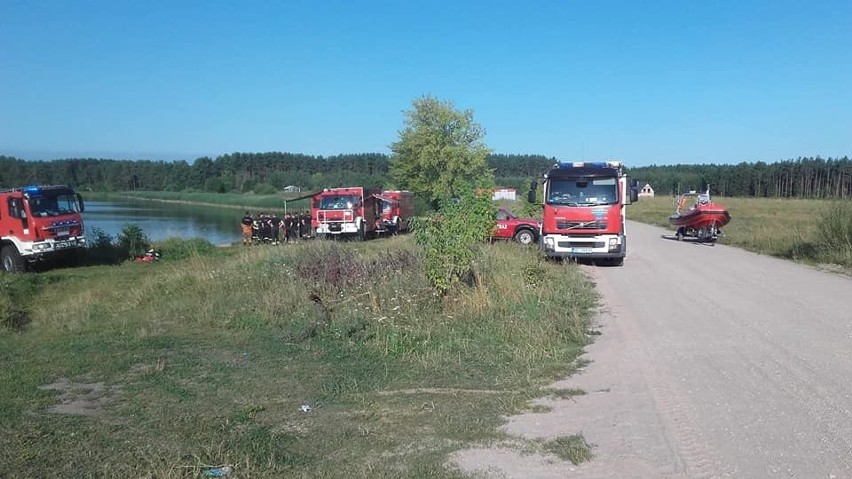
(262, 228)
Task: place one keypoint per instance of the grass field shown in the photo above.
(314, 360)
(812, 231)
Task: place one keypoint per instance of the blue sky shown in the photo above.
(661, 82)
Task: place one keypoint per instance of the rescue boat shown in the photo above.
(703, 220)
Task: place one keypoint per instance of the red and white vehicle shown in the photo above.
(351, 212)
(39, 223)
(510, 227)
(584, 211)
(397, 211)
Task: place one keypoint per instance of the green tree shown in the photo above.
(439, 151)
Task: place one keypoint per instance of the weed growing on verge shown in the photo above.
(834, 234)
(571, 448)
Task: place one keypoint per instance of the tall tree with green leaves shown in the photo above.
(439, 151)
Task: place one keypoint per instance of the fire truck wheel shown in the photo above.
(524, 237)
(13, 262)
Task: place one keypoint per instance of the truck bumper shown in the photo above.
(591, 247)
(333, 228)
(53, 249)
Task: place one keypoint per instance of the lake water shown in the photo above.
(161, 221)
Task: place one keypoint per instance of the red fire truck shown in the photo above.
(39, 223)
(350, 212)
(584, 211)
(397, 211)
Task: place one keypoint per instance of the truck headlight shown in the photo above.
(613, 244)
(548, 243)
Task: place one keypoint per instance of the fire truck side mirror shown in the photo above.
(634, 189)
(531, 192)
(80, 201)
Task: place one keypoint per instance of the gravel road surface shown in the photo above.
(712, 362)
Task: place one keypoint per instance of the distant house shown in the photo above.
(646, 190)
(505, 194)
(292, 189)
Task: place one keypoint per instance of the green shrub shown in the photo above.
(178, 248)
(132, 241)
(264, 189)
(450, 239)
(101, 248)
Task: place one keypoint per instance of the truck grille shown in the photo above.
(580, 225)
(580, 244)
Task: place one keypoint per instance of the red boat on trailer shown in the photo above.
(704, 220)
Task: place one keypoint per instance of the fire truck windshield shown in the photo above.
(61, 204)
(582, 191)
(339, 202)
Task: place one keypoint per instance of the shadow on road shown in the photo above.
(688, 239)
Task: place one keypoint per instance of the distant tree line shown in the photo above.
(799, 178)
(273, 171)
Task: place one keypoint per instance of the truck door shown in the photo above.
(17, 210)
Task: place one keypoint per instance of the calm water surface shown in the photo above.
(161, 221)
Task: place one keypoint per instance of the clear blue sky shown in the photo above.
(660, 82)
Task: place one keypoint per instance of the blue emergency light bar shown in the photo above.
(589, 164)
(585, 169)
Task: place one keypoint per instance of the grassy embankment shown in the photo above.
(811, 231)
(172, 367)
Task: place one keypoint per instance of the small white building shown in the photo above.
(292, 189)
(646, 190)
(505, 194)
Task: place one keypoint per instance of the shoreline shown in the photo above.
(243, 207)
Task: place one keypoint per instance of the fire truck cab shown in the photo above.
(349, 212)
(39, 223)
(584, 211)
(397, 212)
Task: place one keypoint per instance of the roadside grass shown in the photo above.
(321, 359)
(810, 231)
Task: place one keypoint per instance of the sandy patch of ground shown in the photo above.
(85, 399)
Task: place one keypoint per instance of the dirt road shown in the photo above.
(712, 362)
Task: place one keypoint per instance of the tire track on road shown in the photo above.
(694, 457)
